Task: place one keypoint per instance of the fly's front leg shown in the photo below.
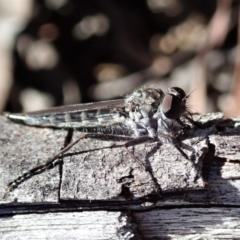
(194, 123)
(183, 125)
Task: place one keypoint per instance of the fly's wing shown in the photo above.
(75, 116)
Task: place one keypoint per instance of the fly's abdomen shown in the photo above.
(76, 119)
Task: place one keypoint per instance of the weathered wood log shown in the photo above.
(202, 171)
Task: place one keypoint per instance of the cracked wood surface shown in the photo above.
(95, 169)
(102, 172)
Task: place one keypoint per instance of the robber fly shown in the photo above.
(144, 114)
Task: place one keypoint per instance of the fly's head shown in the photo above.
(173, 115)
(174, 103)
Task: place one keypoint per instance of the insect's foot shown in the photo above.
(14, 184)
(11, 186)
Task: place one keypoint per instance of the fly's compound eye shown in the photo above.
(178, 92)
(173, 104)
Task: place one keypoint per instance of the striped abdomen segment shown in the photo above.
(91, 118)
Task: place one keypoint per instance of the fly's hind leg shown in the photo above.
(57, 158)
(51, 163)
(67, 141)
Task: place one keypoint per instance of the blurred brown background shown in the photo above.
(55, 52)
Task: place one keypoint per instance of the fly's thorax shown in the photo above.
(149, 96)
(141, 121)
(146, 110)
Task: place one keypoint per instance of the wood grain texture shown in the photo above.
(191, 223)
(22, 148)
(102, 174)
(95, 169)
(78, 225)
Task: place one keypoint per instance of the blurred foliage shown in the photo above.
(72, 49)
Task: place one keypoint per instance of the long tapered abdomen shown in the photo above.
(74, 116)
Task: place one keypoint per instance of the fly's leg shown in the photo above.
(52, 162)
(56, 159)
(194, 123)
(135, 142)
(178, 147)
(68, 138)
(148, 169)
(183, 125)
(67, 141)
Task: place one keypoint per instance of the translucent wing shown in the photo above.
(79, 115)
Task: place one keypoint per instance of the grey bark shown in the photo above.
(100, 175)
